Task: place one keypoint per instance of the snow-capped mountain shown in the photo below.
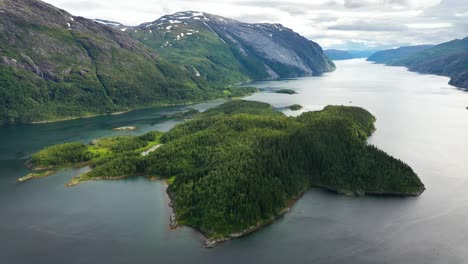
(223, 49)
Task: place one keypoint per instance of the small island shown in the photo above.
(240, 166)
(125, 128)
(295, 107)
(286, 91)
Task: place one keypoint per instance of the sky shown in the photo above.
(341, 24)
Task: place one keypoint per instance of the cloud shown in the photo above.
(331, 23)
(369, 26)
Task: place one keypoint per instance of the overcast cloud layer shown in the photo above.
(345, 24)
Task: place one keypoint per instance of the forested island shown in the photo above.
(239, 166)
(286, 91)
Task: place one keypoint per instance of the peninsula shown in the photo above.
(239, 166)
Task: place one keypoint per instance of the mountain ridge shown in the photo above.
(446, 59)
(253, 51)
(386, 56)
(55, 66)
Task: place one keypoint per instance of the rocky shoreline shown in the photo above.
(32, 176)
(125, 128)
(357, 194)
(212, 242)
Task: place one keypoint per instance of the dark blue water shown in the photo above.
(421, 120)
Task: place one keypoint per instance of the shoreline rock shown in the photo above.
(125, 128)
(32, 176)
(212, 242)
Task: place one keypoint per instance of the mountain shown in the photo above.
(460, 80)
(446, 59)
(335, 54)
(224, 50)
(386, 56)
(54, 65)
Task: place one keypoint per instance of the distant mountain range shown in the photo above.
(54, 65)
(335, 54)
(447, 59)
(386, 56)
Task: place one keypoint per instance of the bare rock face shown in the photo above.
(258, 51)
(286, 52)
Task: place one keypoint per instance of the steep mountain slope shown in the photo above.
(54, 65)
(460, 80)
(386, 56)
(453, 47)
(225, 50)
(447, 59)
(335, 54)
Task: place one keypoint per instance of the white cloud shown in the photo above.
(332, 23)
(430, 25)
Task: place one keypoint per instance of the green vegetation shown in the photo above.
(238, 165)
(387, 56)
(295, 107)
(286, 91)
(51, 72)
(59, 155)
(446, 59)
(334, 54)
(76, 153)
(225, 51)
(204, 53)
(457, 46)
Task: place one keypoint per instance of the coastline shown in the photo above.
(134, 109)
(173, 223)
(368, 193)
(212, 242)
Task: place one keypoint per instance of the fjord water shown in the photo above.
(421, 120)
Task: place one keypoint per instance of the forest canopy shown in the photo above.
(240, 164)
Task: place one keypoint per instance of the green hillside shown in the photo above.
(54, 65)
(223, 50)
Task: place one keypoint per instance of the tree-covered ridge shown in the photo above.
(55, 66)
(446, 59)
(238, 165)
(387, 56)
